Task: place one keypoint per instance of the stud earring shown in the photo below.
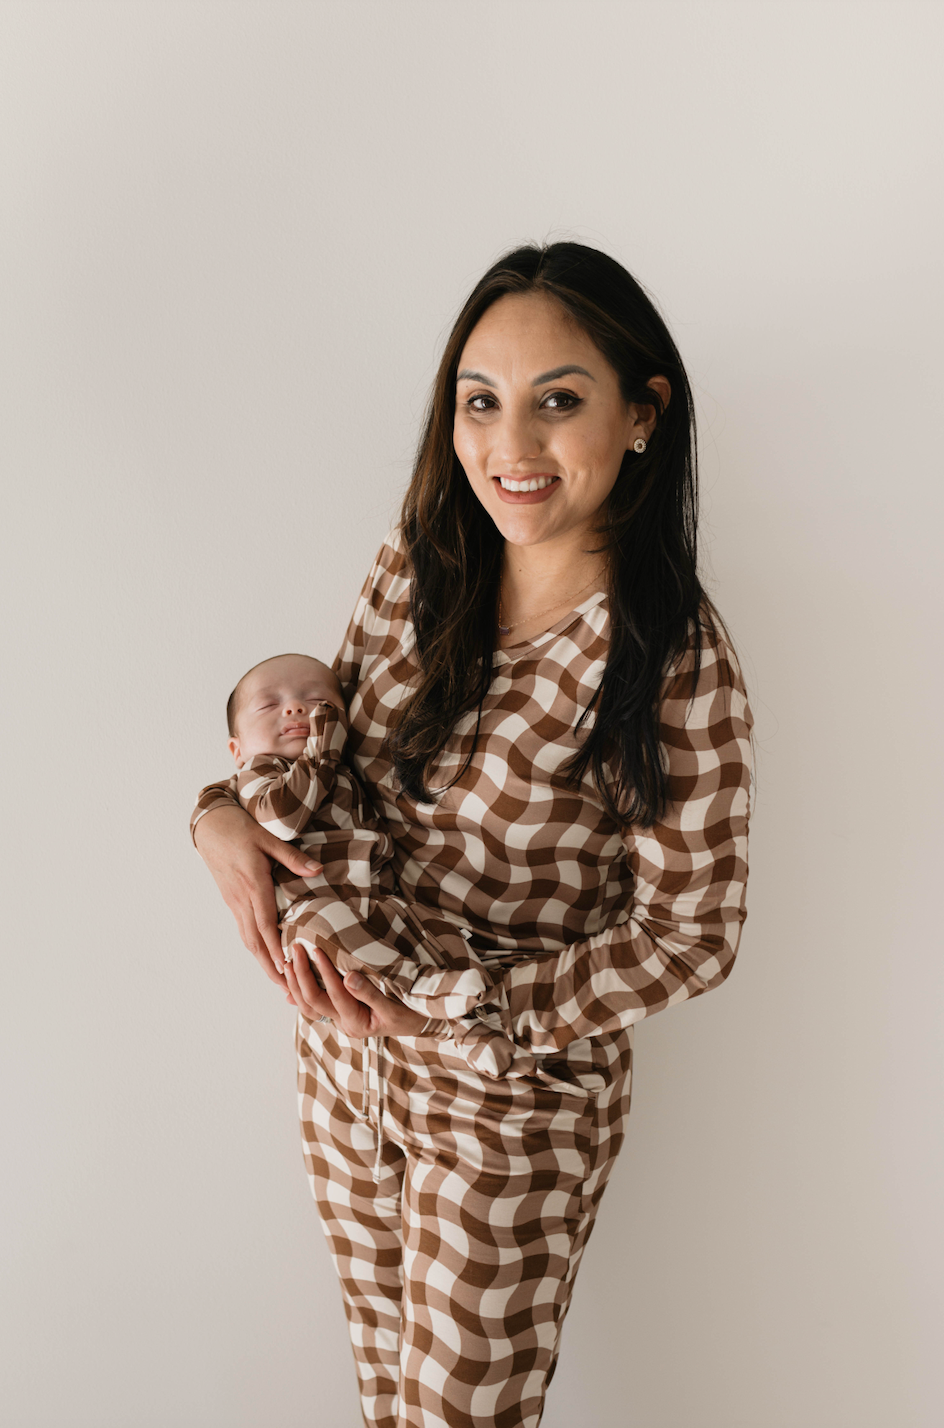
(639, 445)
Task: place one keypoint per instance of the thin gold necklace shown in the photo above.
(504, 629)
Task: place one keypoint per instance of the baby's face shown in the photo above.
(274, 703)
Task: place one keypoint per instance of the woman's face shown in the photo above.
(539, 406)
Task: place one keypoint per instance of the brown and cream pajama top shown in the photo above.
(584, 930)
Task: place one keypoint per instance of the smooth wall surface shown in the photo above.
(233, 238)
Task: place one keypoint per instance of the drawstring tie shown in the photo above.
(375, 1085)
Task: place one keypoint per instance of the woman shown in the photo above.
(545, 708)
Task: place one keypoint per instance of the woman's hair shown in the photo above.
(648, 534)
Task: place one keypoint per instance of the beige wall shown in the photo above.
(233, 238)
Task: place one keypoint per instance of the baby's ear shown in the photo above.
(233, 746)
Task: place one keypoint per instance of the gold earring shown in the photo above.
(639, 446)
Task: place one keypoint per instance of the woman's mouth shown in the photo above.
(526, 490)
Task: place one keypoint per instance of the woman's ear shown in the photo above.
(663, 387)
(642, 416)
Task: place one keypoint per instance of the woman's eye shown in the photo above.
(554, 401)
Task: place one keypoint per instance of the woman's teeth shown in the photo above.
(537, 483)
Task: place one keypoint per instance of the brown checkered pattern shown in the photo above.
(457, 1276)
(351, 909)
(457, 1255)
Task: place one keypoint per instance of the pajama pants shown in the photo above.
(456, 1209)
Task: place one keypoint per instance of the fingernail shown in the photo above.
(354, 980)
(312, 867)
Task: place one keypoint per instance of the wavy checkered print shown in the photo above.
(582, 931)
(457, 1251)
(351, 909)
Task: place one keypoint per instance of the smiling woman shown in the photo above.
(552, 726)
(560, 373)
(525, 442)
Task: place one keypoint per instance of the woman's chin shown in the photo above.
(534, 525)
(524, 532)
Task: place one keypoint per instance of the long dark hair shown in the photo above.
(648, 535)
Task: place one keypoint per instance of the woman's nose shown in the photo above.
(517, 440)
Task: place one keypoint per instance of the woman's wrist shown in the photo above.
(207, 825)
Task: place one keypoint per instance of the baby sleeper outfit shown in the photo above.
(352, 909)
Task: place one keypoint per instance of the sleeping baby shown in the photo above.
(287, 728)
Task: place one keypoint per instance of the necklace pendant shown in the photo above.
(504, 629)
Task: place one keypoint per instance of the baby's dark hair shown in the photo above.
(231, 710)
(232, 703)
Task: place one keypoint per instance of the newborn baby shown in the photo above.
(287, 729)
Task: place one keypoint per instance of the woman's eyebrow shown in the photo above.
(467, 376)
(556, 372)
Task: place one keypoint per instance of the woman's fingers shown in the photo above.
(303, 865)
(266, 918)
(311, 1000)
(237, 852)
(351, 1015)
(263, 898)
(248, 910)
(365, 1013)
(388, 1016)
(252, 939)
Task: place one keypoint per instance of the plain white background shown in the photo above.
(234, 237)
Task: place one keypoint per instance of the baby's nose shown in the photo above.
(297, 708)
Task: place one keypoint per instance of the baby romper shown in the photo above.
(352, 909)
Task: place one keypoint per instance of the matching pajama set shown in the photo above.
(458, 1172)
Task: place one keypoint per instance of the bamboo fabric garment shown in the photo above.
(457, 1251)
(351, 909)
(458, 1174)
(584, 931)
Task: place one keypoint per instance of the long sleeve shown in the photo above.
(681, 930)
(216, 795)
(282, 794)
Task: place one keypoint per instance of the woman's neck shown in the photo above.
(540, 583)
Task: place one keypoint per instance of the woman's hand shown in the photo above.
(368, 1013)
(240, 854)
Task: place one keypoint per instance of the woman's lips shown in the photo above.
(527, 498)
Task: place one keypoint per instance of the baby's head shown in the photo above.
(268, 710)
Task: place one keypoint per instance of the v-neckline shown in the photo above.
(510, 653)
